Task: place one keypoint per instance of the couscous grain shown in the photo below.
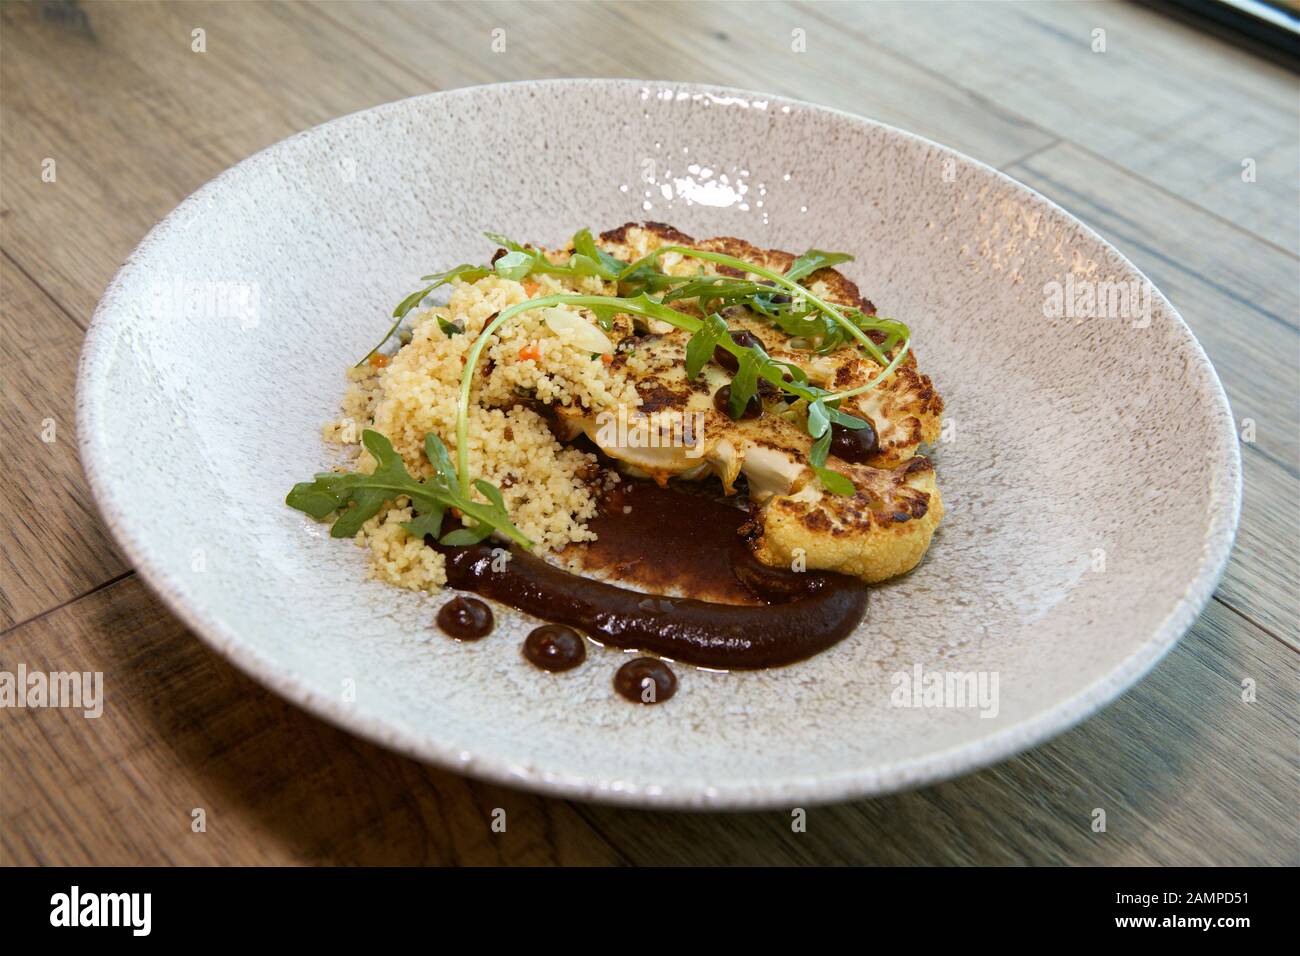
(550, 490)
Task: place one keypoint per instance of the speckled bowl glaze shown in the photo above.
(1089, 466)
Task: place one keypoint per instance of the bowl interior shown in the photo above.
(1088, 464)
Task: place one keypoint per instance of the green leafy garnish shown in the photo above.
(744, 384)
(514, 265)
(794, 289)
(812, 260)
(467, 272)
(776, 297)
(701, 346)
(819, 419)
(585, 245)
(355, 498)
(524, 260)
(833, 481)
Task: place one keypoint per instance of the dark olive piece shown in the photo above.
(746, 340)
(769, 390)
(855, 445)
(777, 298)
(722, 402)
(465, 618)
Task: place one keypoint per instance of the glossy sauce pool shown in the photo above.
(711, 604)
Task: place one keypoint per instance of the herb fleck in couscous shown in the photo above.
(550, 490)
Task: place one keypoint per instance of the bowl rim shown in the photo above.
(1222, 516)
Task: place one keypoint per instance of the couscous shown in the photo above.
(546, 378)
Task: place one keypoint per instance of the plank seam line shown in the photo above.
(1031, 154)
(582, 811)
(425, 84)
(44, 291)
(72, 600)
(1183, 200)
(1236, 227)
(1253, 623)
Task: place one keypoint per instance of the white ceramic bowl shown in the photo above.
(1091, 471)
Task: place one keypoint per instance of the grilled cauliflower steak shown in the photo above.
(878, 533)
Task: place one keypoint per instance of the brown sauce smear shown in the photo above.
(665, 541)
(675, 542)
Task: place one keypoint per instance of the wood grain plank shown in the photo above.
(135, 120)
(55, 546)
(1240, 296)
(726, 44)
(183, 730)
(1175, 105)
(1187, 773)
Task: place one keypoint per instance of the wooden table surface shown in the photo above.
(1147, 142)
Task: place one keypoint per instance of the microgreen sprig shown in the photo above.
(827, 323)
(807, 265)
(356, 497)
(466, 272)
(586, 260)
(519, 261)
(603, 306)
(706, 334)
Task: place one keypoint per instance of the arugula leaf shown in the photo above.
(700, 346)
(436, 452)
(463, 537)
(521, 260)
(845, 419)
(505, 242)
(644, 279)
(832, 481)
(514, 265)
(812, 260)
(356, 498)
(796, 373)
(585, 245)
(467, 272)
(709, 289)
(744, 384)
(424, 524)
(819, 419)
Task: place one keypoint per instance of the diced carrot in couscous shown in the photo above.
(547, 486)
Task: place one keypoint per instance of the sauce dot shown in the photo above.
(645, 680)
(554, 647)
(466, 619)
(853, 444)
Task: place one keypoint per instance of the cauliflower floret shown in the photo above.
(879, 533)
